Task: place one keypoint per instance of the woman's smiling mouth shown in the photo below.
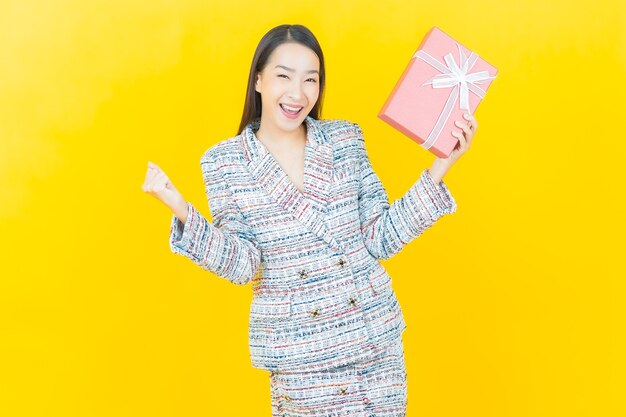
(289, 111)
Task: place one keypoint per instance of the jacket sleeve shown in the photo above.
(388, 228)
(227, 247)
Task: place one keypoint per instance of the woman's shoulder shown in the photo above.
(337, 125)
(229, 148)
(341, 132)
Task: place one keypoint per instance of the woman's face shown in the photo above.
(289, 86)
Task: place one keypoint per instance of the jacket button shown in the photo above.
(303, 273)
(341, 262)
(342, 390)
(315, 312)
(352, 301)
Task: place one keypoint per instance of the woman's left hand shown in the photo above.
(465, 136)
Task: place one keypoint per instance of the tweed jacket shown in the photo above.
(321, 298)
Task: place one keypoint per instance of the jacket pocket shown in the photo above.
(270, 308)
(270, 324)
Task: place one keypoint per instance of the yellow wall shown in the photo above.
(514, 305)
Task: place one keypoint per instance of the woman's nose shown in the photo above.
(295, 93)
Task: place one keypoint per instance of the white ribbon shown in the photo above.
(457, 77)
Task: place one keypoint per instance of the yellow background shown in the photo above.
(514, 304)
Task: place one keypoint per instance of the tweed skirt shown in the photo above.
(375, 388)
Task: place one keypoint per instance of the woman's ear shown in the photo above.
(257, 81)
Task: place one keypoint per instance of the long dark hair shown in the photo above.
(270, 41)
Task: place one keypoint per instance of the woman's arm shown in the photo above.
(226, 247)
(181, 210)
(437, 171)
(386, 228)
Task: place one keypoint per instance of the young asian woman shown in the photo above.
(299, 212)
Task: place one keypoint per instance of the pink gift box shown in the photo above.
(442, 81)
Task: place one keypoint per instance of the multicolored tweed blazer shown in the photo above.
(321, 297)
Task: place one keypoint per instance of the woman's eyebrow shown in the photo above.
(293, 70)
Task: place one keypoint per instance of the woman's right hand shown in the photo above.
(158, 184)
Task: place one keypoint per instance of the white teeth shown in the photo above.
(292, 109)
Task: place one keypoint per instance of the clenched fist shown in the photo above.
(159, 185)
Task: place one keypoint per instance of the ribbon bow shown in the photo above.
(457, 77)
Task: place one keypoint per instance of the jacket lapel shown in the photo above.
(310, 206)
